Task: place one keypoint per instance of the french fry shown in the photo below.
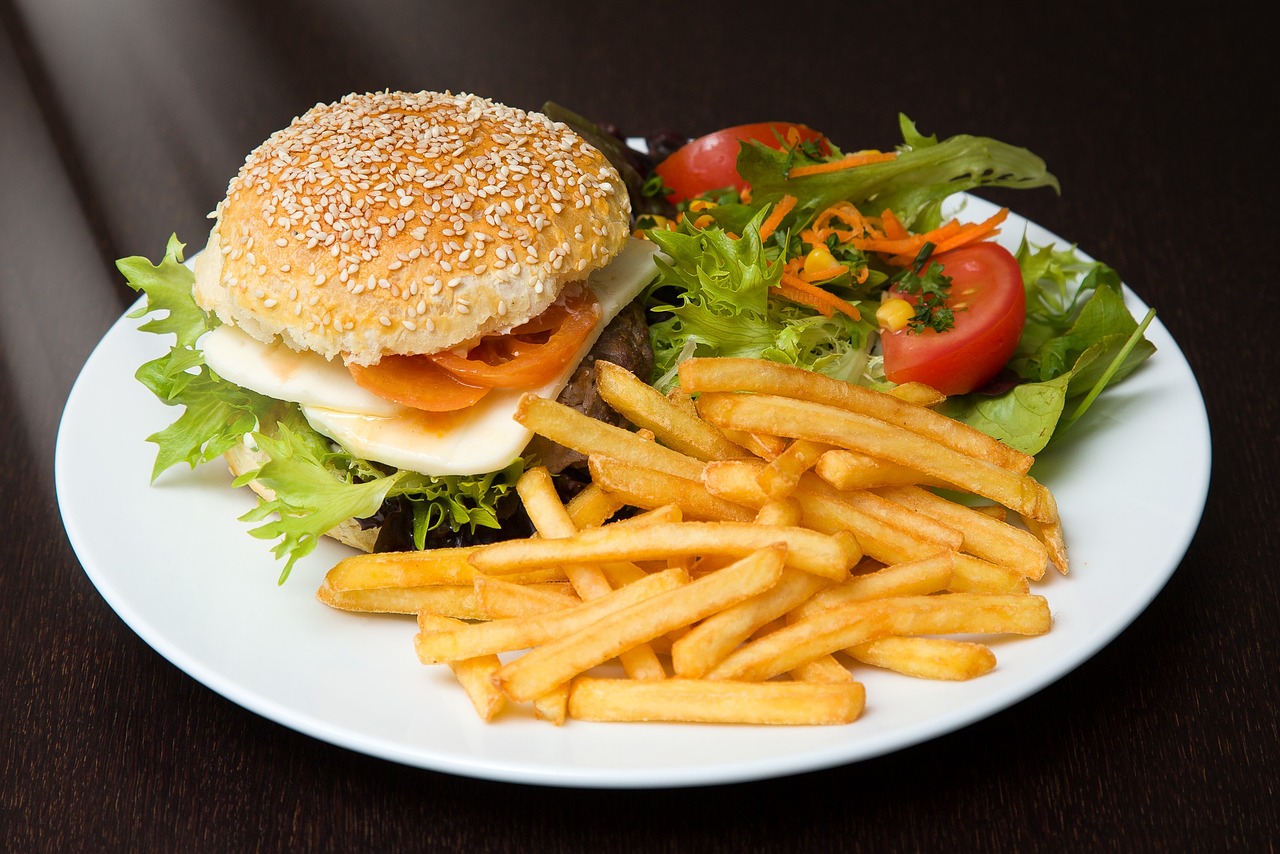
(665, 514)
(785, 512)
(824, 669)
(584, 434)
(775, 379)
(819, 422)
(516, 633)
(763, 445)
(1051, 535)
(918, 394)
(706, 644)
(824, 509)
(553, 706)
(552, 520)
(450, 600)
(496, 598)
(776, 521)
(646, 407)
(414, 569)
(975, 575)
(924, 526)
(849, 625)
(550, 664)
(475, 675)
(927, 658)
(846, 469)
(913, 578)
(995, 511)
(592, 507)
(723, 702)
(983, 536)
(821, 554)
(682, 400)
(782, 474)
(649, 488)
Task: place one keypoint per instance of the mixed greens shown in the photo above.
(717, 290)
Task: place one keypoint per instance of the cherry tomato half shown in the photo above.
(711, 162)
(990, 305)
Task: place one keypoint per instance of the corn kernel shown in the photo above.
(819, 259)
(894, 314)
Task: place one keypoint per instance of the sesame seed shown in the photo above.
(360, 176)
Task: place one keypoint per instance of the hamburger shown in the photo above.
(384, 280)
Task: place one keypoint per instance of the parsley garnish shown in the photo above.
(924, 280)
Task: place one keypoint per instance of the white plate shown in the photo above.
(180, 570)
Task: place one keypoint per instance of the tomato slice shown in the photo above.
(990, 305)
(417, 382)
(518, 359)
(711, 162)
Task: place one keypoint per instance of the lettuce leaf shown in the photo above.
(1076, 342)
(714, 292)
(315, 484)
(913, 185)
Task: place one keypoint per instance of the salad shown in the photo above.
(779, 245)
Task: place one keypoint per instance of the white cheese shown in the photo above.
(479, 439)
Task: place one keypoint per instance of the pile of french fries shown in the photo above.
(762, 534)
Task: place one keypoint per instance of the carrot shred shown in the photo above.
(804, 298)
(948, 236)
(849, 161)
(978, 231)
(797, 289)
(779, 212)
(893, 227)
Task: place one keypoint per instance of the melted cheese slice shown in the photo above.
(476, 440)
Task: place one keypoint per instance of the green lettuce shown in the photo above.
(314, 483)
(914, 185)
(712, 299)
(1078, 339)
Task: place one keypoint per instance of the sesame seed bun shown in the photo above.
(407, 223)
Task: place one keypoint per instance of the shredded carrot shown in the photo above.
(950, 235)
(798, 290)
(823, 275)
(804, 298)
(779, 212)
(977, 231)
(893, 227)
(849, 161)
(848, 214)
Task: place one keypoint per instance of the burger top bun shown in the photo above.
(408, 223)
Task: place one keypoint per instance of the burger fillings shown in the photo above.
(407, 224)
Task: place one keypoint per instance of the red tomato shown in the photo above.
(515, 361)
(711, 162)
(990, 305)
(417, 382)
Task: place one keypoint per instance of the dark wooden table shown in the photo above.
(122, 122)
